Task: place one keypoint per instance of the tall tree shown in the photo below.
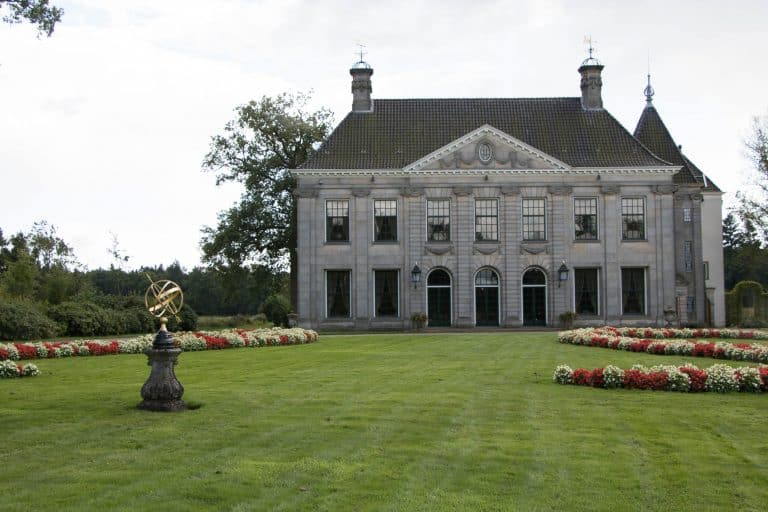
(754, 205)
(34, 11)
(257, 149)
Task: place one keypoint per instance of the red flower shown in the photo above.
(582, 376)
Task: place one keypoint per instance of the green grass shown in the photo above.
(378, 422)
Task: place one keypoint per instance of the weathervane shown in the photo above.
(588, 40)
(591, 60)
(361, 51)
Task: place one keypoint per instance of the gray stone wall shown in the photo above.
(659, 254)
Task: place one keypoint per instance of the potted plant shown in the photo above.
(418, 320)
(567, 318)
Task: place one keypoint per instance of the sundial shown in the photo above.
(163, 391)
(163, 296)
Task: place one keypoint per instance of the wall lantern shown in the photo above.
(416, 276)
(562, 274)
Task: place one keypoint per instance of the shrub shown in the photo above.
(23, 321)
(81, 318)
(276, 308)
(187, 320)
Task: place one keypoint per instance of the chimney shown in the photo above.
(591, 84)
(361, 73)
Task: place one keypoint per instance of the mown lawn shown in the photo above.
(378, 422)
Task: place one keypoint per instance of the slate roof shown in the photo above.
(401, 131)
(652, 132)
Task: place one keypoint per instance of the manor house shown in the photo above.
(504, 212)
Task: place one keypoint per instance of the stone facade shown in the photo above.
(491, 222)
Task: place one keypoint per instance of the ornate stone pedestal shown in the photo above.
(162, 391)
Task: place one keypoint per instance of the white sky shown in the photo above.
(104, 125)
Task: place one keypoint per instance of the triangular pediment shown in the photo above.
(487, 148)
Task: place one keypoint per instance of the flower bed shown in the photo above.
(688, 378)
(9, 370)
(673, 342)
(187, 341)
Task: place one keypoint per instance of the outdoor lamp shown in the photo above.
(562, 274)
(415, 276)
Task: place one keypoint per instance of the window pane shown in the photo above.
(585, 218)
(386, 290)
(688, 255)
(439, 278)
(585, 284)
(337, 221)
(486, 277)
(633, 291)
(337, 289)
(385, 220)
(534, 227)
(438, 220)
(633, 218)
(486, 219)
(534, 276)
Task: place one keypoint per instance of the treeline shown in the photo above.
(745, 251)
(45, 292)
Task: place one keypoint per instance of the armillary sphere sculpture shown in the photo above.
(163, 391)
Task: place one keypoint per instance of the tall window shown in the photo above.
(534, 219)
(337, 221)
(632, 218)
(585, 218)
(586, 291)
(385, 220)
(438, 220)
(386, 292)
(337, 291)
(633, 291)
(688, 255)
(486, 219)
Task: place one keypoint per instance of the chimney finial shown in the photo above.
(361, 73)
(591, 80)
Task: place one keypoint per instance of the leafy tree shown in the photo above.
(745, 258)
(21, 278)
(48, 249)
(754, 206)
(34, 11)
(257, 149)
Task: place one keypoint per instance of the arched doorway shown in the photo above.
(486, 298)
(439, 298)
(534, 297)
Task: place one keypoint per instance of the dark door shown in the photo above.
(486, 306)
(534, 305)
(439, 308)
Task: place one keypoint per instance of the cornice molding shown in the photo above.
(578, 171)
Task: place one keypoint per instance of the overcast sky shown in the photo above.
(104, 125)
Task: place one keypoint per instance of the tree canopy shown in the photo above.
(754, 204)
(266, 139)
(38, 12)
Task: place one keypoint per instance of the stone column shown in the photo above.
(513, 316)
(611, 235)
(465, 236)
